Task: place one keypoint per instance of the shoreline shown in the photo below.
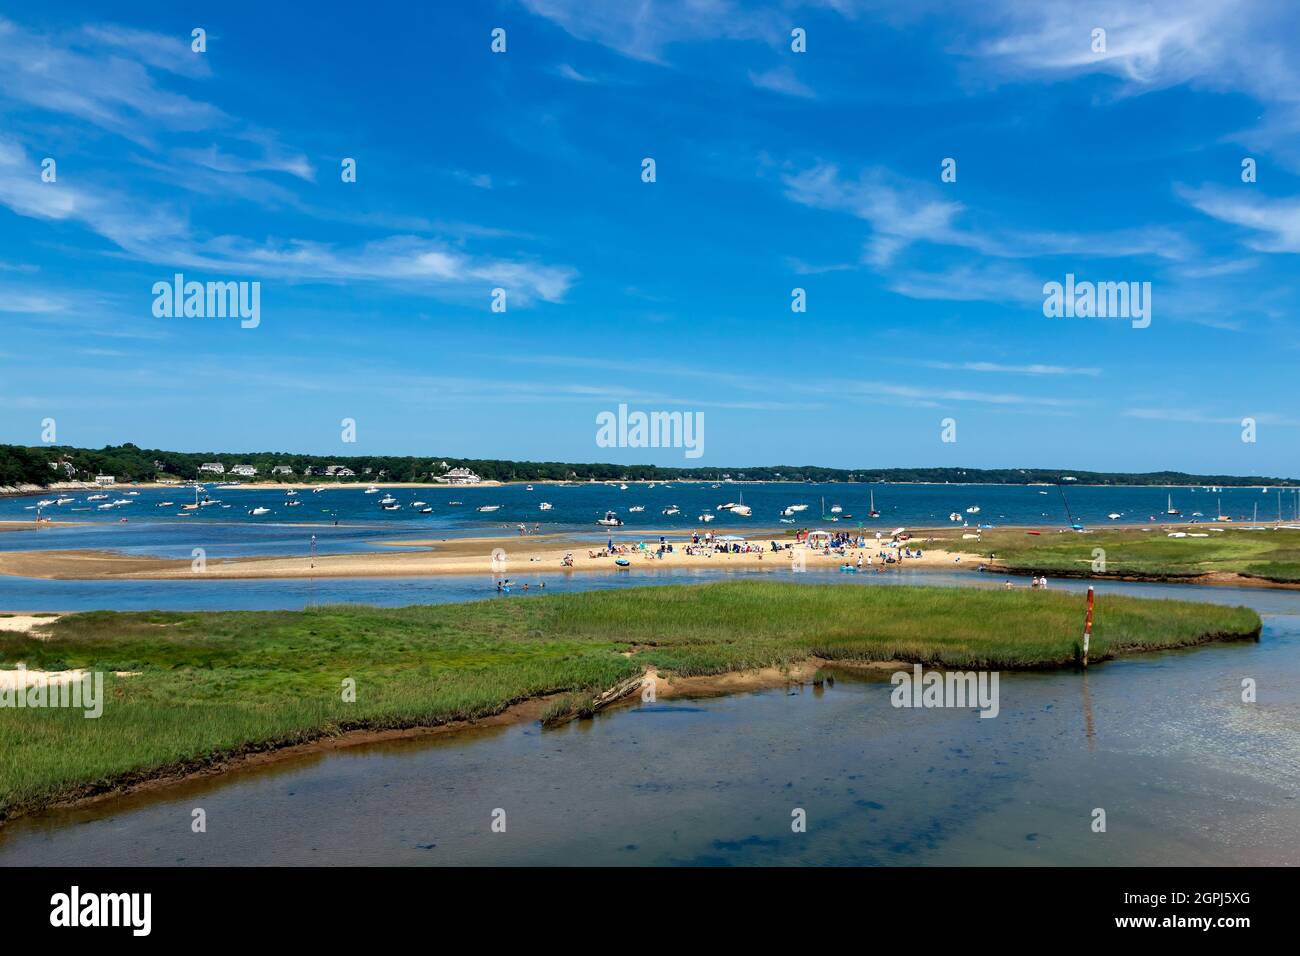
(436, 558)
(543, 553)
(10, 491)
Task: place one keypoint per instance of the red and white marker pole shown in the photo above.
(1087, 626)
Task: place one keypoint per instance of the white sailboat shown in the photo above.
(741, 508)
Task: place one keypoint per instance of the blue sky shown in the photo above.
(775, 170)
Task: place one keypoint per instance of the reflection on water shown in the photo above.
(1186, 773)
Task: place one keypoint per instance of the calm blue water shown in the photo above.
(231, 531)
(34, 594)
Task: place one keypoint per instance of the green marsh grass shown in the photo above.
(1271, 554)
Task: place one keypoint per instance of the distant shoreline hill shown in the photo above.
(43, 465)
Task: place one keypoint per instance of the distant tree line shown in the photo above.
(43, 464)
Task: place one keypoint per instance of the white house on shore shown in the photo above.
(213, 467)
(104, 479)
(245, 471)
(282, 470)
(460, 476)
(340, 471)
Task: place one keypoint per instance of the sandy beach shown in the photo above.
(522, 556)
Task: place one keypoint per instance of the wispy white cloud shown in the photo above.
(1201, 417)
(569, 73)
(645, 29)
(996, 368)
(1155, 44)
(781, 79)
(102, 76)
(1275, 223)
(901, 213)
(54, 73)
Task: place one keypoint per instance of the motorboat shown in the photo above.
(293, 504)
(545, 506)
(707, 517)
(485, 508)
(954, 516)
(672, 510)
(394, 506)
(63, 501)
(372, 490)
(836, 509)
(418, 504)
(973, 510)
(1114, 516)
(97, 498)
(610, 520)
(426, 511)
(259, 510)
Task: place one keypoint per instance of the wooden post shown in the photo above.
(1087, 626)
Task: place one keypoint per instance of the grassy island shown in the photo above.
(185, 692)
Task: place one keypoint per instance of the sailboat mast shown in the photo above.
(1061, 489)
